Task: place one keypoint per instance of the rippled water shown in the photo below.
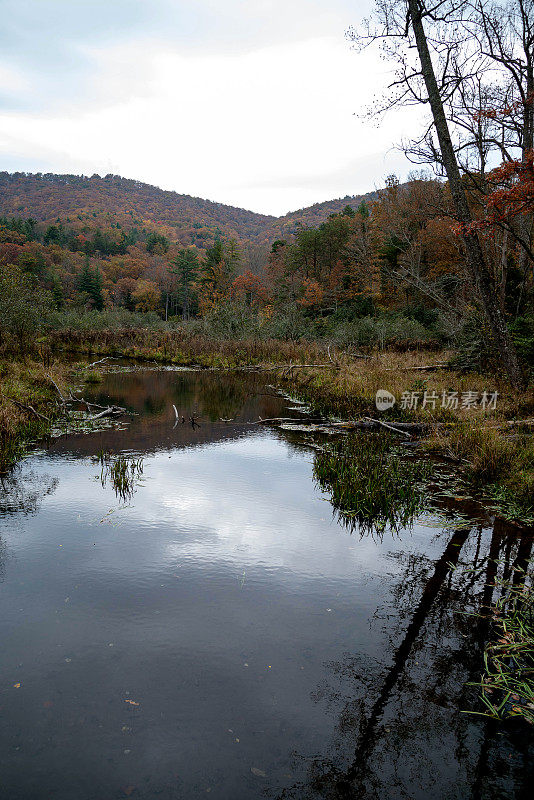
(219, 634)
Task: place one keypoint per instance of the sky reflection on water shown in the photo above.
(222, 634)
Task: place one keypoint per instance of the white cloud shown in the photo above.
(273, 129)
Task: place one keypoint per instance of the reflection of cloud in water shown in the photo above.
(236, 502)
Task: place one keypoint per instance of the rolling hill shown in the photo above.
(90, 202)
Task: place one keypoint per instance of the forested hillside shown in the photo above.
(89, 202)
(94, 242)
(386, 267)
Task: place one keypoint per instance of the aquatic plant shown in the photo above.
(507, 684)
(371, 484)
(122, 472)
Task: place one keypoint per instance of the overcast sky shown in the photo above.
(248, 102)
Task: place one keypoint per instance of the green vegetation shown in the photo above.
(28, 408)
(507, 685)
(500, 464)
(371, 485)
(122, 471)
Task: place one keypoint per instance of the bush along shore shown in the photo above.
(36, 402)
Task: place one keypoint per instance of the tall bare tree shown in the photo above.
(505, 32)
(446, 56)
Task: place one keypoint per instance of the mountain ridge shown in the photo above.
(88, 200)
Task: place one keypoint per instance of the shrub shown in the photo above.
(23, 308)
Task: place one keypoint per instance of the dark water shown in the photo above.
(219, 634)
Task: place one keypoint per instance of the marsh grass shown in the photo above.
(351, 389)
(370, 483)
(180, 347)
(24, 385)
(507, 684)
(495, 464)
(123, 473)
(493, 457)
(91, 376)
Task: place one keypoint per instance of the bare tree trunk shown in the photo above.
(526, 220)
(476, 264)
(504, 268)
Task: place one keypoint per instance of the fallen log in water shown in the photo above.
(368, 424)
(67, 403)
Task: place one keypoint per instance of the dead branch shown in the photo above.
(107, 412)
(260, 421)
(426, 368)
(27, 408)
(100, 361)
(58, 390)
(90, 405)
(388, 427)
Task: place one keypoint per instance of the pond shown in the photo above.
(213, 629)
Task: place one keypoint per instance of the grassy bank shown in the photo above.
(183, 349)
(28, 405)
(493, 447)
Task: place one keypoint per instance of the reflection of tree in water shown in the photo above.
(152, 393)
(21, 491)
(400, 732)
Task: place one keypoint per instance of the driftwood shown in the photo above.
(368, 423)
(111, 411)
(289, 367)
(100, 361)
(58, 390)
(104, 411)
(308, 420)
(27, 408)
(388, 427)
(90, 405)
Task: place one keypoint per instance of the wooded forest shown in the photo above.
(444, 257)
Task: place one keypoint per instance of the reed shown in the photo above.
(371, 485)
(123, 473)
(185, 349)
(507, 684)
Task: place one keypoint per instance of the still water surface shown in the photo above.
(218, 633)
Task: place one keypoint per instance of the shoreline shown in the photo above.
(492, 448)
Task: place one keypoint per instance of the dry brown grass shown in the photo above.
(25, 384)
(490, 452)
(180, 347)
(351, 389)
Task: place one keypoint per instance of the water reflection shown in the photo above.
(409, 739)
(370, 484)
(222, 404)
(123, 472)
(22, 491)
(222, 635)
